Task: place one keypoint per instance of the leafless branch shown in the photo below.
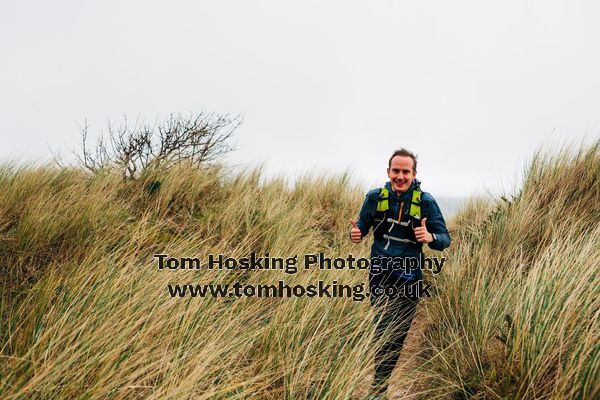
(194, 139)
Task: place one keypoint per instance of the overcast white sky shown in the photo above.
(473, 87)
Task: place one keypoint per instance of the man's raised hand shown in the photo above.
(355, 234)
(422, 234)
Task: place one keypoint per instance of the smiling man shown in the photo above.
(403, 217)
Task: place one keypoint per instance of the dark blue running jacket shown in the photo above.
(435, 224)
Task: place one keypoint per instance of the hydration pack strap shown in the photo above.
(388, 237)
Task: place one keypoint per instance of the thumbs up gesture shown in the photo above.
(422, 234)
(355, 235)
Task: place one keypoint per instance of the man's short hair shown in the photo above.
(404, 153)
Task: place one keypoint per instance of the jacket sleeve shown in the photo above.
(366, 215)
(435, 223)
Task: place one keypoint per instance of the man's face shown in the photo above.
(401, 173)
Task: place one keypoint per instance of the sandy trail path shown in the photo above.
(400, 386)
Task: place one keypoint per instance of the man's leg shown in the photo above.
(394, 320)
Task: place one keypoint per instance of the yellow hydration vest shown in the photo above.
(415, 204)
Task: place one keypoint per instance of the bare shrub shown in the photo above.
(133, 150)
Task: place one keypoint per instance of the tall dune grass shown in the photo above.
(84, 311)
(519, 307)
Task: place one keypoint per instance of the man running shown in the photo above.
(403, 218)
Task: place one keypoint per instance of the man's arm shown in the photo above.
(435, 223)
(365, 217)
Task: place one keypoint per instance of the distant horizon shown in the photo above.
(268, 175)
(449, 204)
